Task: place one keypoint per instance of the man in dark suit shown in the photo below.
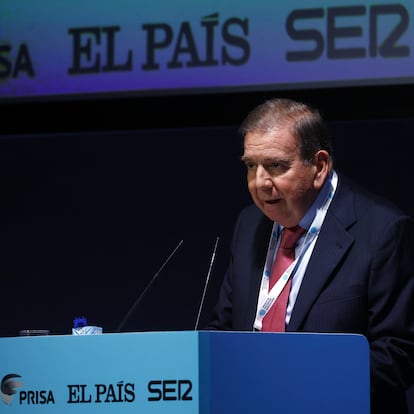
(354, 268)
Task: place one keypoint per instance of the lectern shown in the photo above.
(185, 372)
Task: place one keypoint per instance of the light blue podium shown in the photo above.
(185, 372)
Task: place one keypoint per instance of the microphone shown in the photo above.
(121, 325)
(206, 284)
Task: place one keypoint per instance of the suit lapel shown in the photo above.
(332, 244)
(260, 245)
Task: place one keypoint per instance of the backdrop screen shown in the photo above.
(159, 47)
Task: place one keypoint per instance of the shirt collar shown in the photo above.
(311, 213)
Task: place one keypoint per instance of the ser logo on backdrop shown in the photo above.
(303, 26)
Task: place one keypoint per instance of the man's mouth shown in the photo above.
(272, 201)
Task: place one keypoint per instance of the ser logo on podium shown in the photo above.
(170, 390)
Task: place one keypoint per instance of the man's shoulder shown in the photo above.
(367, 200)
(251, 212)
(252, 219)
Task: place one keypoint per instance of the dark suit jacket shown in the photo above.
(360, 279)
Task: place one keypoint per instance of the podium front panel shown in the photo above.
(184, 373)
(289, 373)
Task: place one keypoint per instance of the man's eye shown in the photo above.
(278, 166)
(271, 166)
(250, 165)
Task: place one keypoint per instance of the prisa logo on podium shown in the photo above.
(9, 386)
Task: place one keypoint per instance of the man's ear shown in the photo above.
(323, 166)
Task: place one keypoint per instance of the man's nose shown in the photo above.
(263, 178)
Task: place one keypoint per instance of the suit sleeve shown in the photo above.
(391, 307)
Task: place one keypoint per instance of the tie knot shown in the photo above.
(291, 236)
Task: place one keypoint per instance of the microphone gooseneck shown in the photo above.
(213, 256)
(126, 317)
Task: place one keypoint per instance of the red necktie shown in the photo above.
(274, 320)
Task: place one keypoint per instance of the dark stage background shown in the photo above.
(88, 218)
(95, 195)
